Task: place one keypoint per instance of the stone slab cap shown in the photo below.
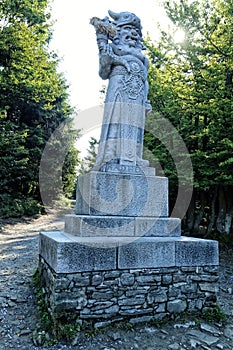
(65, 255)
(117, 226)
(147, 252)
(157, 227)
(107, 226)
(196, 252)
(100, 193)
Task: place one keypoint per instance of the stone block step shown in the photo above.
(89, 226)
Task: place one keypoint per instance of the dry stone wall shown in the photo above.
(136, 295)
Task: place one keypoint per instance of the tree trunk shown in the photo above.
(229, 209)
(200, 213)
(220, 222)
(228, 222)
(189, 218)
(212, 217)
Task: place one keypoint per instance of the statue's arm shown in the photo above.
(105, 60)
(108, 59)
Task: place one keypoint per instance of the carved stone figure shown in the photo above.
(122, 62)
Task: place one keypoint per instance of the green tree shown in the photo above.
(191, 85)
(33, 98)
(89, 160)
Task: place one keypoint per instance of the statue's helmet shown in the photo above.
(123, 18)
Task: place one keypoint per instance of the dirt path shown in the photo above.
(19, 319)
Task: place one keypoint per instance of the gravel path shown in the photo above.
(19, 318)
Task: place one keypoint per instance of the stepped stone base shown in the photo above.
(120, 257)
(91, 226)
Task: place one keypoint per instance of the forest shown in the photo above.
(33, 104)
(191, 87)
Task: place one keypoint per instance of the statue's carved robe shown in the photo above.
(124, 113)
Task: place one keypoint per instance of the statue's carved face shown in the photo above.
(130, 35)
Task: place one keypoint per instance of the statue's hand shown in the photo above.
(122, 62)
(109, 57)
(105, 60)
(106, 50)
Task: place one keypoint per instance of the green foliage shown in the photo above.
(68, 331)
(214, 315)
(129, 327)
(33, 100)
(17, 207)
(89, 159)
(70, 172)
(191, 84)
(158, 323)
(55, 330)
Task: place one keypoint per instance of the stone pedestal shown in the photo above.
(122, 194)
(120, 256)
(66, 253)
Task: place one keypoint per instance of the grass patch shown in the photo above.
(215, 314)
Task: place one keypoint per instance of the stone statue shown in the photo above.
(122, 62)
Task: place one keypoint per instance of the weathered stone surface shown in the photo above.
(91, 226)
(111, 167)
(146, 253)
(96, 225)
(210, 329)
(157, 227)
(96, 280)
(167, 279)
(132, 301)
(159, 296)
(127, 279)
(209, 287)
(174, 346)
(203, 337)
(228, 331)
(176, 306)
(66, 256)
(68, 253)
(148, 279)
(129, 293)
(126, 67)
(100, 193)
(194, 251)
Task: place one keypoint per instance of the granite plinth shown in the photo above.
(104, 193)
(66, 253)
(189, 251)
(151, 252)
(89, 226)
(147, 253)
